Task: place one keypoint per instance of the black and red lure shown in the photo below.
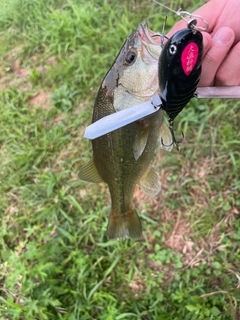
(179, 72)
(179, 68)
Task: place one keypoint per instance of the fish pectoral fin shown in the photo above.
(165, 138)
(89, 173)
(150, 182)
(124, 225)
(141, 138)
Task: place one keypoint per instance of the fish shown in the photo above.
(122, 158)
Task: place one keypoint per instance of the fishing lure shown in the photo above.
(179, 67)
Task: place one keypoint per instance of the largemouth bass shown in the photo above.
(122, 158)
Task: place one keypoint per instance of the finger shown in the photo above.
(221, 44)
(178, 26)
(207, 43)
(228, 73)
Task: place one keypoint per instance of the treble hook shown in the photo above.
(190, 18)
(161, 35)
(175, 143)
(163, 29)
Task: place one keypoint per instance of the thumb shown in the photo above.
(221, 43)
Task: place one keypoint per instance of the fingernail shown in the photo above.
(224, 35)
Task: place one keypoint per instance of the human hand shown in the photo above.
(221, 58)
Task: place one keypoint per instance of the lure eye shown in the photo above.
(172, 49)
(130, 57)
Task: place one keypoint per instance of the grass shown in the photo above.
(55, 261)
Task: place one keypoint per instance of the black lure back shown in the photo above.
(179, 70)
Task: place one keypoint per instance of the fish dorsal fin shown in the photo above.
(141, 138)
(150, 182)
(165, 137)
(89, 173)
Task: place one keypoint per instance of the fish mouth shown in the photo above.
(147, 35)
(151, 40)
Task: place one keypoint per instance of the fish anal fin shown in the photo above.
(89, 173)
(124, 225)
(165, 138)
(141, 138)
(150, 182)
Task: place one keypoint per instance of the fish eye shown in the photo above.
(130, 57)
(172, 49)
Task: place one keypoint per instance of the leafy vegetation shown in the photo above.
(55, 262)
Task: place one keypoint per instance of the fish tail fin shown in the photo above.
(124, 225)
